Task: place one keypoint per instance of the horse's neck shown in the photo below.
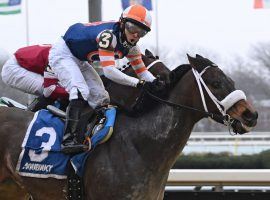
(161, 134)
(169, 128)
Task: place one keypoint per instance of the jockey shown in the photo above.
(28, 71)
(104, 42)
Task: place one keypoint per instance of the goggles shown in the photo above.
(133, 28)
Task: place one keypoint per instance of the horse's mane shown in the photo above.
(200, 62)
(178, 73)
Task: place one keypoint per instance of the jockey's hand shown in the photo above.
(157, 87)
(141, 84)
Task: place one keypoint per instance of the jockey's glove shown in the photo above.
(157, 87)
(140, 84)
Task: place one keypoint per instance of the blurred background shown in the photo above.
(233, 33)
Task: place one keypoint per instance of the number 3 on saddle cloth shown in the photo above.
(41, 154)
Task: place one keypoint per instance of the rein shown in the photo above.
(216, 117)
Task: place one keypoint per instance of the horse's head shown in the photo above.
(221, 97)
(155, 66)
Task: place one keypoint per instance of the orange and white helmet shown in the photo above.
(138, 15)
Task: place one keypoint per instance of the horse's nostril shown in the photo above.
(256, 115)
(250, 115)
(250, 118)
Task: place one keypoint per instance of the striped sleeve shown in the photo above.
(107, 62)
(106, 57)
(135, 59)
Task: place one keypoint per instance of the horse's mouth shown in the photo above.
(244, 117)
(245, 128)
(241, 127)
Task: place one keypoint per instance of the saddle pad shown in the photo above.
(41, 156)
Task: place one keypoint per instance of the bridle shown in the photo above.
(222, 105)
(153, 63)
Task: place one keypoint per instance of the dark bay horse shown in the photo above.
(134, 164)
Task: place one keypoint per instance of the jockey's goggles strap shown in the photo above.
(133, 28)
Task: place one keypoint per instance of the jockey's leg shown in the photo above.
(20, 78)
(82, 83)
(98, 96)
(73, 127)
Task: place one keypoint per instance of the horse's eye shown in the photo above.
(216, 84)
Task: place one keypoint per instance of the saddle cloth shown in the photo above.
(41, 154)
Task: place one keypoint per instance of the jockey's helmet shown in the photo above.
(138, 17)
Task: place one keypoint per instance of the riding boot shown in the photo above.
(73, 129)
(39, 103)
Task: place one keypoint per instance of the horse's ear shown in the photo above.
(205, 61)
(199, 62)
(149, 54)
(189, 57)
(191, 60)
(199, 56)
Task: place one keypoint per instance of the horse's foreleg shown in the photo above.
(162, 188)
(161, 194)
(4, 172)
(12, 172)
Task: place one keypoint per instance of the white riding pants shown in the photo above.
(75, 75)
(18, 77)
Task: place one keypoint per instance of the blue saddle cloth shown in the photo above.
(41, 156)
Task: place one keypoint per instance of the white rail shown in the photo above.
(223, 138)
(249, 143)
(219, 177)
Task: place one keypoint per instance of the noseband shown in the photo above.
(222, 105)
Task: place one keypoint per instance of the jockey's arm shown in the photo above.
(107, 43)
(135, 58)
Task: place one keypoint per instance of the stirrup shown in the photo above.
(73, 148)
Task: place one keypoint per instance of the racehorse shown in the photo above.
(134, 164)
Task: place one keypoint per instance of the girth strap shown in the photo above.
(74, 185)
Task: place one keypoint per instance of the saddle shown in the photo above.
(102, 123)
